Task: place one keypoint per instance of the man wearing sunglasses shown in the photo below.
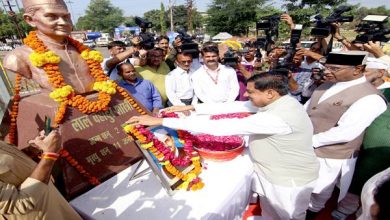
(340, 112)
(178, 82)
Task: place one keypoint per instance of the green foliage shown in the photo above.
(360, 12)
(129, 21)
(163, 19)
(180, 18)
(100, 15)
(7, 26)
(233, 16)
(302, 11)
(154, 17)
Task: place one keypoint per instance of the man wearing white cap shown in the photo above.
(377, 73)
(340, 112)
(375, 151)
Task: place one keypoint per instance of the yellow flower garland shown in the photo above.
(40, 59)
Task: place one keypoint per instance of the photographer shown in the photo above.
(249, 52)
(305, 60)
(336, 34)
(234, 59)
(371, 47)
(184, 43)
(118, 55)
(163, 43)
(171, 56)
(377, 51)
(289, 21)
(155, 71)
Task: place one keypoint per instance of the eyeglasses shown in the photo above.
(336, 69)
(186, 61)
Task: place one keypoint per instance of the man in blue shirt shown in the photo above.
(143, 90)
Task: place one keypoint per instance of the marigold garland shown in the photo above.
(166, 157)
(91, 179)
(64, 94)
(14, 110)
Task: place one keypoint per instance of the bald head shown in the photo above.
(30, 6)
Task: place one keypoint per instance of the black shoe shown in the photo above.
(310, 215)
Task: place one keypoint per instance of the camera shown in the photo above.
(269, 23)
(146, 38)
(291, 49)
(188, 45)
(323, 26)
(142, 22)
(318, 75)
(230, 58)
(270, 26)
(372, 28)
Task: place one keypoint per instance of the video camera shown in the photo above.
(230, 58)
(147, 38)
(291, 49)
(188, 45)
(323, 26)
(270, 25)
(143, 23)
(372, 28)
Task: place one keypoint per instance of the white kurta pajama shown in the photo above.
(280, 147)
(351, 124)
(216, 86)
(178, 86)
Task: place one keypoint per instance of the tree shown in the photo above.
(163, 19)
(154, 17)
(129, 21)
(7, 26)
(180, 18)
(100, 15)
(190, 5)
(301, 11)
(361, 12)
(233, 16)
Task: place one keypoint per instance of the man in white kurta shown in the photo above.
(279, 142)
(358, 103)
(178, 83)
(214, 82)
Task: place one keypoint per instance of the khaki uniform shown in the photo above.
(22, 197)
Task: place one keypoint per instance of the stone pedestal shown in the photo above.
(96, 141)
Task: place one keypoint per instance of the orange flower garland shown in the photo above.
(73, 162)
(191, 180)
(14, 110)
(49, 63)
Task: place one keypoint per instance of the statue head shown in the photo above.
(48, 17)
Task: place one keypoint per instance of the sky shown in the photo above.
(139, 7)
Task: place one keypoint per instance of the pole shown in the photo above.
(171, 13)
(14, 19)
(190, 5)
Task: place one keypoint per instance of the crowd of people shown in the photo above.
(320, 123)
(316, 125)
